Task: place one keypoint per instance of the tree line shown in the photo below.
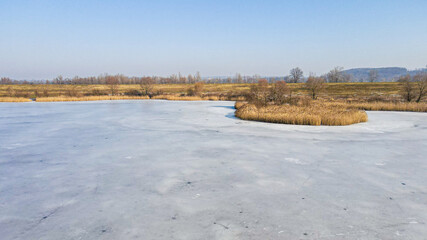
(296, 75)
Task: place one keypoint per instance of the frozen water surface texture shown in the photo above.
(190, 170)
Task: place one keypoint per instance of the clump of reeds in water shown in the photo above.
(314, 114)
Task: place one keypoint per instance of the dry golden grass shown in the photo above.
(178, 98)
(388, 106)
(315, 114)
(14, 99)
(191, 98)
(89, 98)
(336, 90)
(239, 104)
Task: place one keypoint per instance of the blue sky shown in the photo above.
(43, 39)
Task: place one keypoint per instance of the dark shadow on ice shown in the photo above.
(231, 115)
(228, 107)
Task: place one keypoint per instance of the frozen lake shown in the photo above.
(190, 170)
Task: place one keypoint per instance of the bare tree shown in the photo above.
(373, 75)
(191, 79)
(407, 88)
(255, 78)
(296, 74)
(113, 84)
(421, 85)
(335, 75)
(5, 80)
(174, 78)
(279, 92)
(147, 86)
(259, 93)
(239, 78)
(315, 85)
(197, 77)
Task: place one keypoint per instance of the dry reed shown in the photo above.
(14, 99)
(187, 98)
(239, 104)
(89, 98)
(315, 114)
(389, 106)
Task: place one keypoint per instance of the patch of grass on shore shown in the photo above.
(198, 98)
(89, 98)
(185, 98)
(14, 99)
(388, 106)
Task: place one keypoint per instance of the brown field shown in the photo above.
(317, 113)
(366, 91)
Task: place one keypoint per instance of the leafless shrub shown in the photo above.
(280, 92)
(113, 84)
(315, 85)
(147, 86)
(421, 85)
(407, 88)
(259, 93)
(197, 90)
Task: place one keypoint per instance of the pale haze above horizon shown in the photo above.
(44, 39)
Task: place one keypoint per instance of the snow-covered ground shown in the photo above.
(190, 170)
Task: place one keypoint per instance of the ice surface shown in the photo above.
(190, 170)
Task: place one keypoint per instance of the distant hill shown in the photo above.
(388, 74)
